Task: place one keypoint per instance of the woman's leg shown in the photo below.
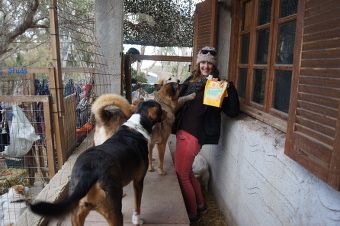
(187, 148)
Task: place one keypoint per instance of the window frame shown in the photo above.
(265, 112)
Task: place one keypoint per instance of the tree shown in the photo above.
(24, 27)
(77, 39)
(158, 22)
(24, 31)
(21, 23)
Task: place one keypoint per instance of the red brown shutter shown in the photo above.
(205, 26)
(313, 133)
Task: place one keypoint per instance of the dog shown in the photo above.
(200, 168)
(109, 120)
(13, 204)
(167, 95)
(100, 173)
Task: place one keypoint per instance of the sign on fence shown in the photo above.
(14, 71)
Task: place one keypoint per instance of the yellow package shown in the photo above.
(215, 92)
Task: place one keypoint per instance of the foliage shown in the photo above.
(24, 27)
(24, 31)
(140, 77)
(158, 22)
(149, 88)
(39, 56)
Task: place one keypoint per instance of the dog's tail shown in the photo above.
(65, 206)
(105, 100)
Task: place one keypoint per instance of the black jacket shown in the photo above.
(210, 128)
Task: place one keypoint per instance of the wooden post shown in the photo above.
(127, 76)
(56, 85)
(48, 140)
(122, 73)
(31, 78)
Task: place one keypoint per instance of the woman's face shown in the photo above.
(206, 68)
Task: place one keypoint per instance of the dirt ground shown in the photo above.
(213, 217)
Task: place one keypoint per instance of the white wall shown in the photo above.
(253, 180)
(257, 184)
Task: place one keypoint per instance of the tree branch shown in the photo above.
(39, 26)
(27, 22)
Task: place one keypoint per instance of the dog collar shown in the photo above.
(134, 123)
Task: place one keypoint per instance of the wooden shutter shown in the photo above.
(205, 26)
(313, 133)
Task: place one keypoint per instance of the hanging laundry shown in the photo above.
(22, 134)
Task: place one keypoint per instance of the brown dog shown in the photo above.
(100, 173)
(167, 96)
(109, 120)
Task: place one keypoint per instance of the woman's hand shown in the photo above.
(210, 77)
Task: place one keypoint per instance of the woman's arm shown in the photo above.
(231, 104)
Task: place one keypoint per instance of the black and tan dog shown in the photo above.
(101, 172)
(168, 96)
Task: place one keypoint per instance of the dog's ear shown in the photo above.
(154, 114)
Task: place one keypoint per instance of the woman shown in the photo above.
(197, 124)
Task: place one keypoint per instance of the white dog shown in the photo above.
(200, 167)
(12, 204)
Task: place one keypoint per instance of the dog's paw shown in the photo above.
(186, 98)
(191, 96)
(161, 172)
(136, 220)
(151, 169)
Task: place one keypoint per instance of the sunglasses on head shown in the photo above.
(206, 51)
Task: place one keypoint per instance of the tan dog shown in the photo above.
(167, 96)
(109, 120)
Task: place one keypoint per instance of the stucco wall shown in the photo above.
(109, 34)
(255, 183)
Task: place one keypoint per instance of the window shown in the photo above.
(285, 61)
(266, 37)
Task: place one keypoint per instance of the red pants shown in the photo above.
(187, 148)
